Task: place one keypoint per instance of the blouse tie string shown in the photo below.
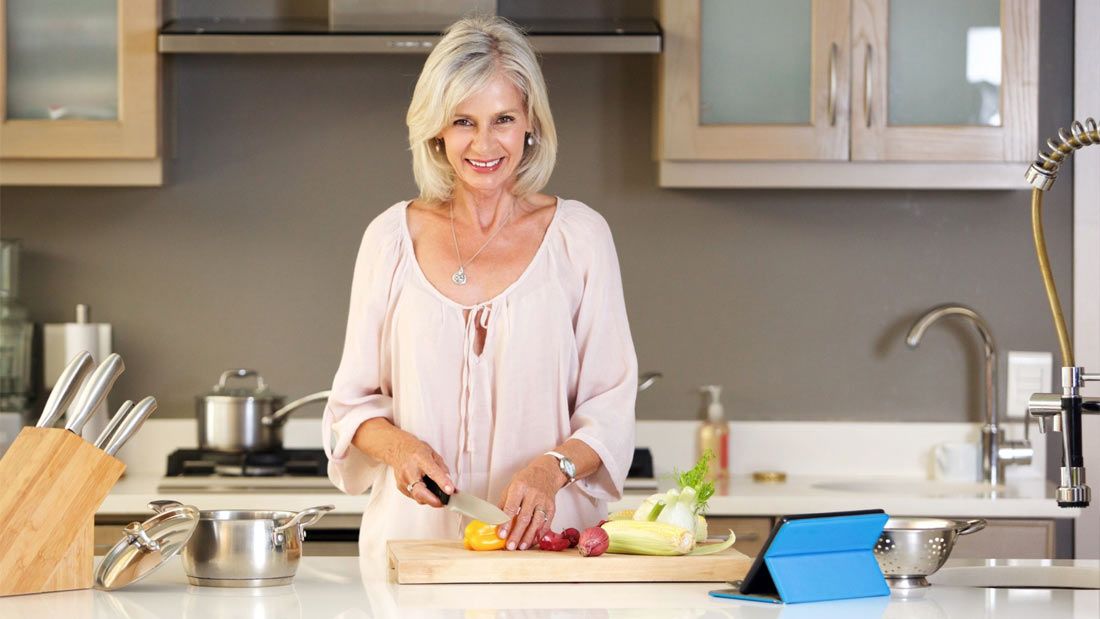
(469, 359)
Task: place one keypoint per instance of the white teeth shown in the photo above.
(485, 165)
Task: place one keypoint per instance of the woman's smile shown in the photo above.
(485, 166)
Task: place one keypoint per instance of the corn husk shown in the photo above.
(637, 537)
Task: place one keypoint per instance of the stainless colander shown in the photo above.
(911, 548)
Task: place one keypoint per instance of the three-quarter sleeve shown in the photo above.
(607, 385)
(361, 389)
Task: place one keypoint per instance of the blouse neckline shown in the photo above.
(448, 300)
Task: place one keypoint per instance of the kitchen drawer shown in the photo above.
(1008, 539)
(751, 532)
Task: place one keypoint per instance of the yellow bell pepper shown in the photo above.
(481, 536)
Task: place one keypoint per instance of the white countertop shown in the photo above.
(337, 588)
(738, 497)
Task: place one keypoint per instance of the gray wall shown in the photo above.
(796, 301)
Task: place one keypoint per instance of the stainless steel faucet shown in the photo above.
(996, 451)
(1062, 412)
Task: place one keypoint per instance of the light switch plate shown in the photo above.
(1028, 373)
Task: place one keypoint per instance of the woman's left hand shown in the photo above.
(529, 499)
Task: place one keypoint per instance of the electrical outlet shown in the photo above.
(1028, 373)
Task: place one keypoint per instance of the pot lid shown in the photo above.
(258, 391)
(146, 546)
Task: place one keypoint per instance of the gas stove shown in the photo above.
(212, 471)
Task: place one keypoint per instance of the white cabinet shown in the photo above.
(79, 92)
(848, 93)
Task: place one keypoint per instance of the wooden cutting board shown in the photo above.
(446, 561)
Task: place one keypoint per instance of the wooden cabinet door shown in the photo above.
(941, 80)
(42, 70)
(1008, 539)
(748, 80)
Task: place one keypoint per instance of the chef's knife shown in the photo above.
(65, 388)
(467, 504)
(131, 424)
(113, 425)
(94, 391)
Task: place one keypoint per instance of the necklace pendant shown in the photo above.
(459, 277)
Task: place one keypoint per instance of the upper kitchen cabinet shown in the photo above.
(745, 80)
(79, 92)
(848, 93)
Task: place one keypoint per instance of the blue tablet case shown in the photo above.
(817, 559)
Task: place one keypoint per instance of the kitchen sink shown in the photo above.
(915, 487)
(1006, 575)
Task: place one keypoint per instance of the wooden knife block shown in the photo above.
(51, 483)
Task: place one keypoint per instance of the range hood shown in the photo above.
(247, 35)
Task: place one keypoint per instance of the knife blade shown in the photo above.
(131, 424)
(68, 383)
(467, 504)
(94, 391)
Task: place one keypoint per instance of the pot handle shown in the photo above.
(971, 526)
(240, 373)
(278, 416)
(163, 505)
(305, 517)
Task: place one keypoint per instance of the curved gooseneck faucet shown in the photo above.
(996, 452)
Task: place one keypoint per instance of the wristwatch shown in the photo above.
(565, 465)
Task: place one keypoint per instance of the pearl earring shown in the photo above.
(530, 140)
(438, 145)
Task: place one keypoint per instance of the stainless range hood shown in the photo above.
(402, 27)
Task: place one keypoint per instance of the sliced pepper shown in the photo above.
(482, 536)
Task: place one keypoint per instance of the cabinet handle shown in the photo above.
(832, 85)
(867, 86)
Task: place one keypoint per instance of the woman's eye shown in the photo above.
(463, 122)
(505, 119)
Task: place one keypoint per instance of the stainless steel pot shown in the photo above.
(244, 418)
(234, 548)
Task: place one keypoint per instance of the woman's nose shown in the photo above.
(483, 139)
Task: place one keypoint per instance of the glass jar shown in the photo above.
(16, 335)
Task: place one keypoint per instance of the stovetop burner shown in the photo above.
(288, 462)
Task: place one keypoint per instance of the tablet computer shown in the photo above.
(834, 532)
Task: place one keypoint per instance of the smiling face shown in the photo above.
(484, 139)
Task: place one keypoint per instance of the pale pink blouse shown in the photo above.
(558, 362)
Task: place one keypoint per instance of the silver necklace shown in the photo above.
(459, 277)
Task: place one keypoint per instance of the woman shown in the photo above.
(487, 343)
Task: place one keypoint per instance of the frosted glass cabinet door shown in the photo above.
(755, 59)
(79, 79)
(750, 80)
(62, 59)
(944, 80)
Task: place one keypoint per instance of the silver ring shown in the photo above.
(409, 488)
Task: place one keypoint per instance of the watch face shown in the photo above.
(568, 468)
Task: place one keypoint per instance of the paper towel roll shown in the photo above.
(61, 343)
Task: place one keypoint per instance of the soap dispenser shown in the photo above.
(714, 432)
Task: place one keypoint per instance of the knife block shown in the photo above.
(51, 483)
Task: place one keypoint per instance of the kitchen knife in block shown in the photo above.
(51, 483)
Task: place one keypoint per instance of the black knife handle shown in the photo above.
(434, 488)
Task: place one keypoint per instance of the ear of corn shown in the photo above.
(636, 537)
(624, 514)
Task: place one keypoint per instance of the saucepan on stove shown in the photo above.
(245, 417)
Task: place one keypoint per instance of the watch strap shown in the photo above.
(561, 458)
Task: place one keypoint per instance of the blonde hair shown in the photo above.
(472, 52)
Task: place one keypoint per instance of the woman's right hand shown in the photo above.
(415, 459)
